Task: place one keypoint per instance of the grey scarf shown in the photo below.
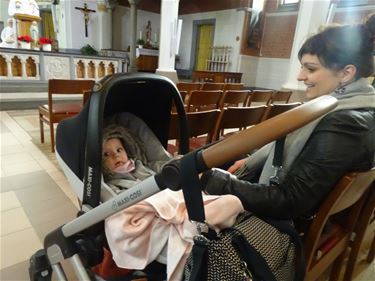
(358, 94)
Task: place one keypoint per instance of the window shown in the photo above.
(288, 5)
(350, 3)
(288, 2)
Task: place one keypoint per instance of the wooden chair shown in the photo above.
(184, 95)
(341, 208)
(201, 125)
(234, 98)
(238, 117)
(281, 97)
(258, 97)
(188, 86)
(276, 109)
(233, 86)
(366, 220)
(54, 111)
(208, 86)
(203, 100)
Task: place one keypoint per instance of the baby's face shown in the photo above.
(114, 154)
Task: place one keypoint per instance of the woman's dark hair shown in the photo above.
(338, 46)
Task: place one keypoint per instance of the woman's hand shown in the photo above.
(238, 164)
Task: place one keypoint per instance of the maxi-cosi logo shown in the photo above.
(118, 203)
(89, 182)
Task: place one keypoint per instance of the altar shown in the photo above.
(147, 59)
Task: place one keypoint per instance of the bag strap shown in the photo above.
(277, 162)
(191, 188)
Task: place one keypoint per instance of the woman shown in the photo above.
(333, 62)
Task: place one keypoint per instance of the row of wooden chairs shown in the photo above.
(209, 99)
(208, 125)
(191, 86)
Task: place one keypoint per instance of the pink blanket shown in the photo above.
(138, 235)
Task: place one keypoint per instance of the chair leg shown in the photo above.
(41, 129)
(52, 135)
(371, 254)
(360, 232)
(336, 267)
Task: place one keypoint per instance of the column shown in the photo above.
(133, 34)
(168, 39)
(23, 64)
(311, 15)
(105, 25)
(86, 68)
(9, 67)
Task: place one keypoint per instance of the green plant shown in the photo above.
(140, 41)
(88, 50)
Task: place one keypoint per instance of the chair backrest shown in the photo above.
(260, 97)
(233, 86)
(203, 100)
(234, 98)
(188, 86)
(349, 195)
(281, 96)
(208, 86)
(278, 108)
(64, 86)
(199, 123)
(203, 76)
(238, 117)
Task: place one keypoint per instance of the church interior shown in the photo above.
(251, 43)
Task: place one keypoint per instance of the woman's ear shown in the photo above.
(348, 74)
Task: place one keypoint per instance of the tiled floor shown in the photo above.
(36, 198)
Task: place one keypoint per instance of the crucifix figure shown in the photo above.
(86, 15)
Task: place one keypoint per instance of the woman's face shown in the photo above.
(318, 79)
(114, 154)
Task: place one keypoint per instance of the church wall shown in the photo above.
(4, 11)
(122, 25)
(228, 25)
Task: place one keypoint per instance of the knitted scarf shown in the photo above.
(358, 94)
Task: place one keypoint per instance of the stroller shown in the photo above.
(149, 97)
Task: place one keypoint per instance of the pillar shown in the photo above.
(23, 65)
(105, 25)
(9, 67)
(133, 34)
(311, 15)
(168, 39)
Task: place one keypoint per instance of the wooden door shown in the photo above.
(205, 40)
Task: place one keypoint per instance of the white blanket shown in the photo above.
(138, 235)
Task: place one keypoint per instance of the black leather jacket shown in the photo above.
(343, 141)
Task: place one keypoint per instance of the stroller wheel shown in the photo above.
(40, 269)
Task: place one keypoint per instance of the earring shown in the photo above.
(340, 89)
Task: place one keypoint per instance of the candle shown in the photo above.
(140, 34)
(156, 38)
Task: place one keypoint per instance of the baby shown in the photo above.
(124, 160)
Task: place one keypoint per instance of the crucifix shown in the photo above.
(86, 15)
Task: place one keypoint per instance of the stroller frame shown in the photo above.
(60, 244)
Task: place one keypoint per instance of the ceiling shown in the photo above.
(191, 6)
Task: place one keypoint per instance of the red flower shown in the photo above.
(25, 38)
(44, 40)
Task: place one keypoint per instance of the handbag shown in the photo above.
(253, 248)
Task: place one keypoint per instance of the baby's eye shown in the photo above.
(119, 149)
(105, 154)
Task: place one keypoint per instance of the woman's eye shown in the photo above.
(106, 154)
(119, 149)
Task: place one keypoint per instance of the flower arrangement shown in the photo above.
(44, 40)
(88, 50)
(140, 41)
(24, 38)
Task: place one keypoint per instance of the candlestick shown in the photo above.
(140, 34)
(156, 38)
